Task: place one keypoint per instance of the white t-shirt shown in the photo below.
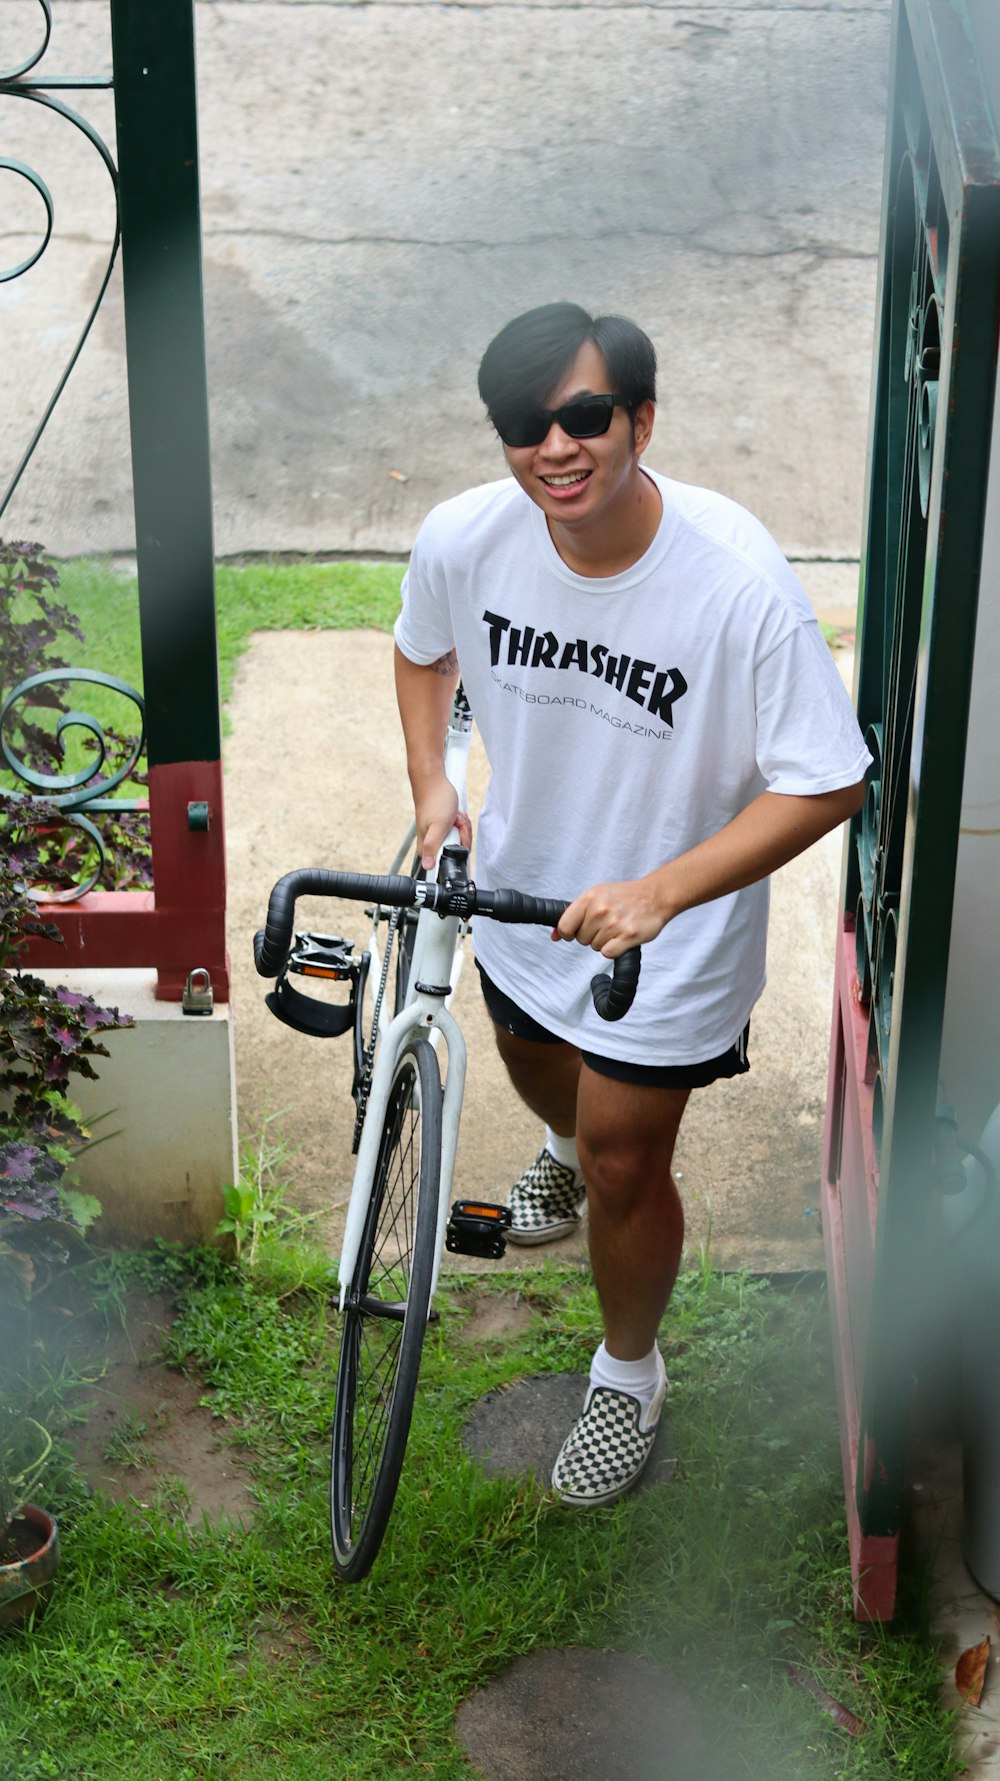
(626, 718)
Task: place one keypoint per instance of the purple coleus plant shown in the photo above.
(24, 1189)
(47, 1033)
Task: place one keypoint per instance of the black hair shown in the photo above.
(523, 364)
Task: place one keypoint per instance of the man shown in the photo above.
(664, 727)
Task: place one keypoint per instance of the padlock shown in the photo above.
(197, 997)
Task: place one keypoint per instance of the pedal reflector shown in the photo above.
(476, 1227)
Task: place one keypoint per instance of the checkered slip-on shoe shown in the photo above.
(545, 1203)
(608, 1447)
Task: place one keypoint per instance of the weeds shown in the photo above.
(257, 1205)
(173, 1650)
(124, 1446)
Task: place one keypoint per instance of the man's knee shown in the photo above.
(626, 1143)
(619, 1171)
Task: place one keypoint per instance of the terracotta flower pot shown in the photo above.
(26, 1582)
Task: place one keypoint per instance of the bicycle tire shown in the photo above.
(385, 1315)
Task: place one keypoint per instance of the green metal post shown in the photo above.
(168, 386)
(155, 98)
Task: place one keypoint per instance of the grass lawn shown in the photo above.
(260, 597)
(177, 1653)
(257, 597)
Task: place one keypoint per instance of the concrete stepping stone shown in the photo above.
(521, 1427)
(572, 1714)
(581, 1715)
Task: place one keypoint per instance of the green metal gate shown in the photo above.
(935, 370)
(154, 177)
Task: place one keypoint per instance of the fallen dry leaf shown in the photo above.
(398, 476)
(970, 1672)
(841, 1715)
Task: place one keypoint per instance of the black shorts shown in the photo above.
(734, 1062)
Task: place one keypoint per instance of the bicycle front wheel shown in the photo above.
(385, 1314)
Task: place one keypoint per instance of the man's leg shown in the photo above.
(625, 1135)
(547, 1199)
(545, 1076)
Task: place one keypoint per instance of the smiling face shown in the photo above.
(592, 491)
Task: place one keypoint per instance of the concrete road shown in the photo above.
(385, 184)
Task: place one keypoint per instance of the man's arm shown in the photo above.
(764, 836)
(424, 695)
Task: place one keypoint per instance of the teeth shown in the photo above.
(562, 482)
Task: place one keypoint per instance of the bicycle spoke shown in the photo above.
(373, 1423)
(386, 1313)
(378, 1346)
(399, 1203)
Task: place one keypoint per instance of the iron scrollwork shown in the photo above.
(22, 82)
(73, 797)
(917, 262)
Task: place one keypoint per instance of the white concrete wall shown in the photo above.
(169, 1086)
(970, 1060)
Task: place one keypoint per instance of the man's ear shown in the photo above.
(642, 426)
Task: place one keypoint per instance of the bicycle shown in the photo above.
(406, 1131)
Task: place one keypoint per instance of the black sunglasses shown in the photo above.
(586, 417)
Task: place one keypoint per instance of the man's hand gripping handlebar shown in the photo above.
(454, 894)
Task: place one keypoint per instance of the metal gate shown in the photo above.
(935, 370)
(154, 175)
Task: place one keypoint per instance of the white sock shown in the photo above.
(564, 1151)
(644, 1379)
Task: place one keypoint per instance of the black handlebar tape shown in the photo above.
(271, 944)
(512, 905)
(614, 995)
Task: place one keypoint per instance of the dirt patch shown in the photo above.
(280, 1639)
(147, 1437)
(494, 1316)
(519, 1429)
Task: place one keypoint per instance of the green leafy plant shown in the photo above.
(47, 1032)
(256, 1206)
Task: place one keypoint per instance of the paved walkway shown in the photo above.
(315, 776)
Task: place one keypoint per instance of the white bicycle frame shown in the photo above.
(437, 960)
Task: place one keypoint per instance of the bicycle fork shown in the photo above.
(419, 1017)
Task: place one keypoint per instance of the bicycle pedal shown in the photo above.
(476, 1227)
(323, 955)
